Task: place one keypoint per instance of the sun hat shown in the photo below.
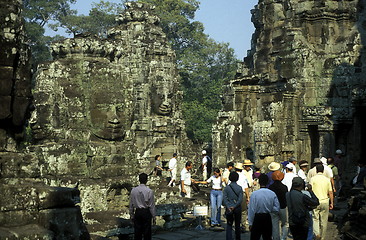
(303, 163)
(247, 162)
(291, 159)
(278, 175)
(274, 166)
(323, 160)
(239, 166)
(317, 160)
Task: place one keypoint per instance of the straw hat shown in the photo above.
(274, 166)
(239, 166)
(247, 162)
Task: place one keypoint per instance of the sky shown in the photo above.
(224, 21)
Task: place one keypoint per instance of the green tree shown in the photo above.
(101, 17)
(39, 13)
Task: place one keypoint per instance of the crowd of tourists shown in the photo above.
(287, 198)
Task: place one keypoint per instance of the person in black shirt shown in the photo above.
(298, 205)
(280, 190)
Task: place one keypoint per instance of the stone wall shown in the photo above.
(15, 75)
(29, 209)
(300, 91)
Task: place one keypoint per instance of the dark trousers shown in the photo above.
(235, 216)
(299, 232)
(262, 226)
(142, 224)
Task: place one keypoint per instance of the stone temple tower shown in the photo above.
(301, 90)
(106, 107)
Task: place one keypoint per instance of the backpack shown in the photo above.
(209, 165)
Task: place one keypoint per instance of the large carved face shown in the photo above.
(110, 115)
(161, 99)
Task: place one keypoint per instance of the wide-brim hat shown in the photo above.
(303, 163)
(323, 160)
(274, 166)
(247, 162)
(239, 166)
(317, 160)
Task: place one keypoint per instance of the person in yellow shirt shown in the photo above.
(322, 189)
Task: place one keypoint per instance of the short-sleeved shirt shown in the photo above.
(172, 163)
(216, 182)
(327, 172)
(321, 186)
(185, 176)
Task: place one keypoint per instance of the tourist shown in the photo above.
(262, 203)
(298, 205)
(248, 172)
(232, 199)
(158, 167)
(186, 180)
(338, 162)
(225, 175)
(289, 175)
(172, 168)
(142, 209)
(322, 188)
(281, 216)
(327, 170)
(335, 172)
(273, 166)
(303, 170)
(243, 183)
(293, 160)
(256, 174)
(215, 197)
(206, 165)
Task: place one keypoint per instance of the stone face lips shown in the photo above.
(299, 91)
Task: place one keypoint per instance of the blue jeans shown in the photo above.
(311, 233)
(216, 201)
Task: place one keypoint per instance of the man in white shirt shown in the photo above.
(243, 183)
(327, 171)
(173, 170)
(204, 165)
(186, 180)
(289, 175)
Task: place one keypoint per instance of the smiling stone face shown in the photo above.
(110, 103)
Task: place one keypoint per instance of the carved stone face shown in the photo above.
(110, 117)
(161, 101)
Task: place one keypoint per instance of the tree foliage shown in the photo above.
(39, 13)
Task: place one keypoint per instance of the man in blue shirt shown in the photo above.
(232, 198)
(262, 203)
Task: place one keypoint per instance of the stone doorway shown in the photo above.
(314, 141)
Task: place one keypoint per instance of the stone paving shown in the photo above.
(219, 233)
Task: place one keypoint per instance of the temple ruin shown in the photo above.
(300, 91)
